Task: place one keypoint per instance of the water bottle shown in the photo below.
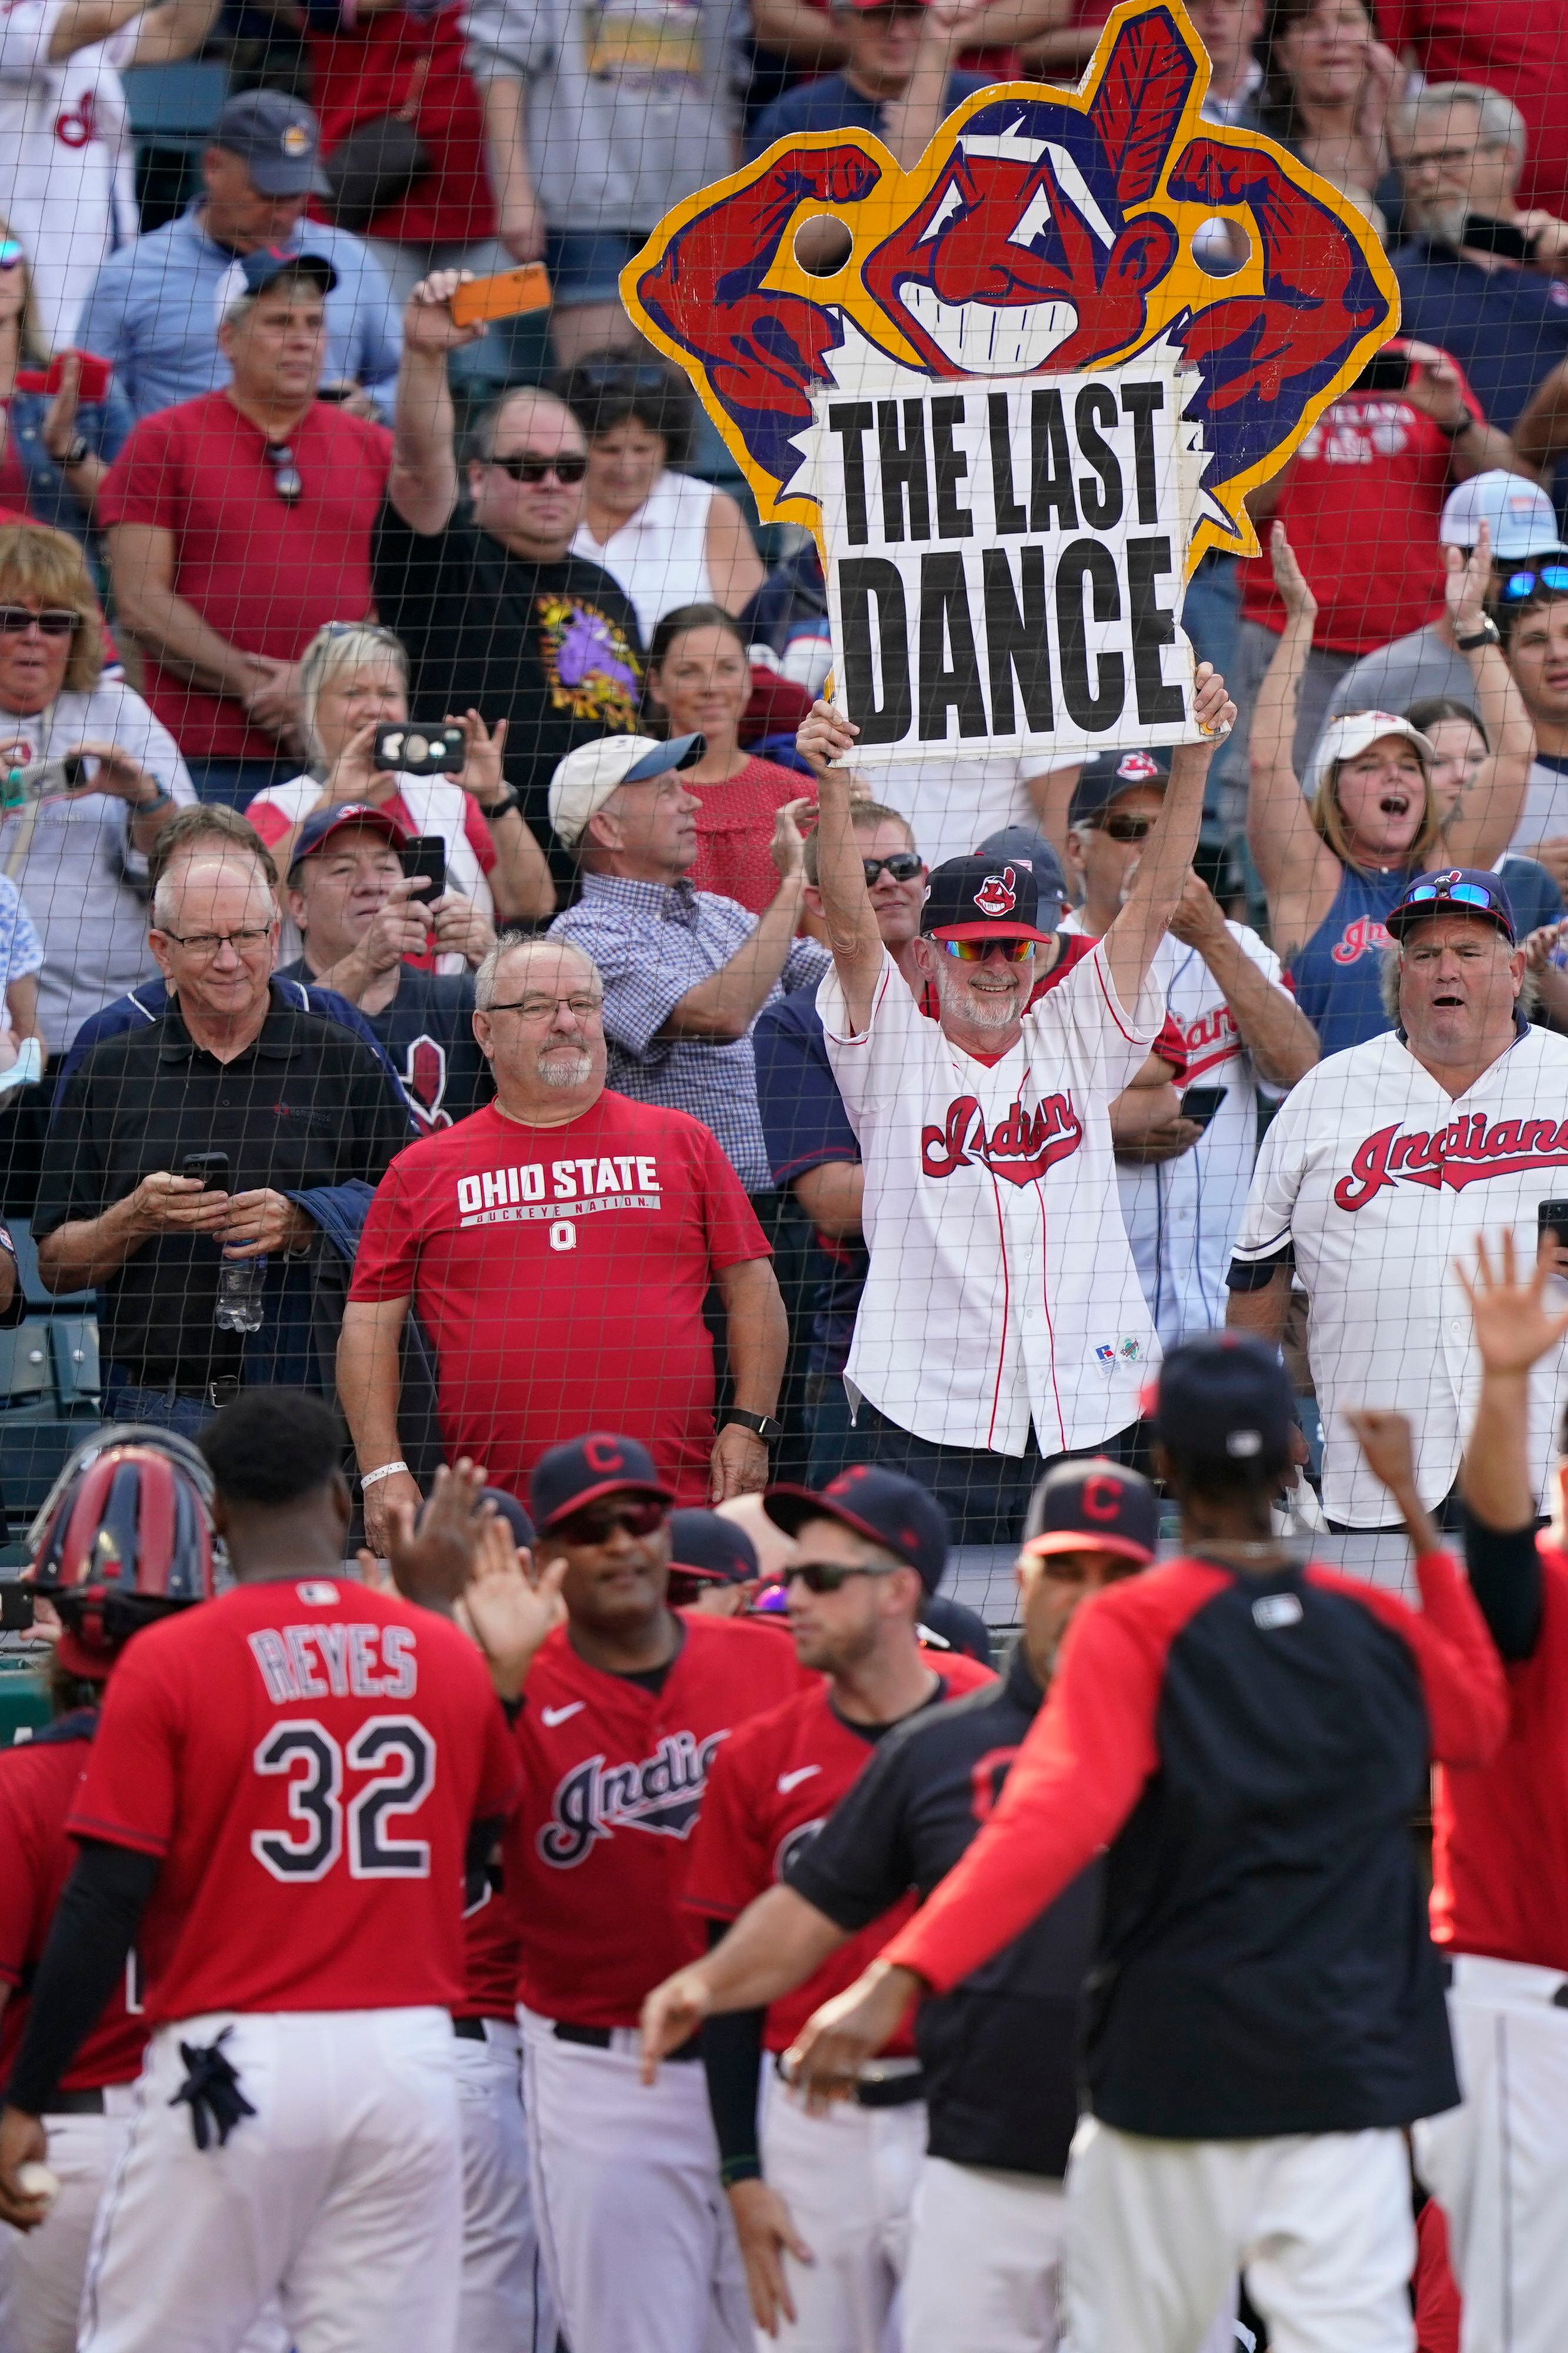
(241, 1284)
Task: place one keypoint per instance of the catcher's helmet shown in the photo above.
(125, 1538)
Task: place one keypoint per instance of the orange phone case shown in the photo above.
(504, 296)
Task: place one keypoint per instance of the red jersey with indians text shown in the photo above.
(615, 1776)
(774, 1784)
(305, 1757)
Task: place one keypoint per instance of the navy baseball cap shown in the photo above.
(883, 1506)
(981, 899)
(1097, 1505)
(279, 139)
(321, 826)
(1227, 1396)
(565, 1478)
(1109, 775)
(1457, 890)
(712, 1550)
(508, 1509)
(1022, 846)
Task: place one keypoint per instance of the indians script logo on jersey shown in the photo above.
(662, 1794)
(1020, 1147)
(1365, 937)
(998, 894)
(1468, 1151)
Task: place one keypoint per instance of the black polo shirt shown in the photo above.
(306, 1104)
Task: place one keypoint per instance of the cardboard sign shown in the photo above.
(1043, 230)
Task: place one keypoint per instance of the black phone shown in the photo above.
(212, 1168)
(1385, 372)
(1201, 1104)
(1486, 236)
(425, 856)
(1552, 1217)
(417, 751)
(15, 1607)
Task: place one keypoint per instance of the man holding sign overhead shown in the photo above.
(1002, 1321)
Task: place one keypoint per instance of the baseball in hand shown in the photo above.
(35, 2180)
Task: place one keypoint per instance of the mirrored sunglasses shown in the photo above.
(1465, 894)
(1015, 950)
(1521, 585)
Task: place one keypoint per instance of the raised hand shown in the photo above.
(1387, 1445)
(823, 736)
(1295, 591)
(432, 1553)
(1514, 1327)
(1465, 586)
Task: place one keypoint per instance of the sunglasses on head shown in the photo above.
(11, 253)
(15, 620)
(903, 866)
(1127, 828)
(598, 1523)
(1521, 585)
(831, 1576)
(1015, 950)
(534, 470)
(1463, 894)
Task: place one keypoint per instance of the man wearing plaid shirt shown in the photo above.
(686, 973)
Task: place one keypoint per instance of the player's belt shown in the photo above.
(615, 2038)
(884, 2084)
(469, 2030)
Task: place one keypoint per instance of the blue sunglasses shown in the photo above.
(1466, 895)
(1521, 585)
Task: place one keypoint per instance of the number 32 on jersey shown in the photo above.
(399, 1757)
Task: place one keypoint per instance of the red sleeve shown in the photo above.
(501, 1771)
(143, 483)
(1076, 1778)
(1170, 1045)
(129, 1793)
(267, 819)
(387, 1261)
(728, 1865)
(733, 1233)
(1438, 2311)
(481, 840)
(1462, 1678)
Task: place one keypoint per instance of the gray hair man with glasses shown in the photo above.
(181, 1152)
(557, 1247)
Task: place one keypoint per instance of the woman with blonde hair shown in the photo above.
(353, 678)
(55, 448)
(1334, 862)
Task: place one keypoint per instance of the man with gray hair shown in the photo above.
(557, 1247)
(1479, 276)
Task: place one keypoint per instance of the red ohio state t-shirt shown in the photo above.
(559, 1273)
(306, 1759)
(38, 1783)
(774, 1785)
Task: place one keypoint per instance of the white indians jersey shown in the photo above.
(1181, 1215)
(1379, 1180)
(66, 182)
(1001, 1289)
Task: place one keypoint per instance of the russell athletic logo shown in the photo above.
(662, 1794)
(1466, 1152)
(998, 894)
(1020, 1147)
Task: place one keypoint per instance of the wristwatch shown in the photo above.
(79, 449)
(1453, 432)
(161, 799)
(500, 808)
(761, 1425)
(1488, 633)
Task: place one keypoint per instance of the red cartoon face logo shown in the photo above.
(1138, 768)
(998, 894)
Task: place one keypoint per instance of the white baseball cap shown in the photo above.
(584, 780)
(1342, 739)
(1518, 515)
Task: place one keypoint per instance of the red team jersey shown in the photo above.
(774, 1785)
(1501, 1830)
(614, 1776)
(305, 1757)
(560, 1273)
(37, 1784)
(491, 1932)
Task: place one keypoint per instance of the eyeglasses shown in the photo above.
(903, 866)
(598, 1521)
(1015, 950)
(1465, 894)
(534, 470)
(543, 1009)
(1127, 828)
(1441, 159)
(11, 253)
(285, 473)
(1521, 585)
(831, 1576)
(15, 620)
(207, 944)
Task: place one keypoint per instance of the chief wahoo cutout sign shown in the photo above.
(1021, 407)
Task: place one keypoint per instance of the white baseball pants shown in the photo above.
(1499, 2166)
(1320, 2224)
(635, 2230)
(848, 2180)
(504, 2306)
(342, 2195)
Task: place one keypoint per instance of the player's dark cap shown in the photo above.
(1225, 1397)
(126, 1539)
(1020, 845)
(280, 140)
(319, 829)
(1454, 891)
(1096, 1505)
(712, 1549)
(508, 1509)
(1109, 775)
(567, 1477)
(981, 898)
(897, 1514)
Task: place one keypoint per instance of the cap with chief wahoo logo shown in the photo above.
(1109, 775)
(980, 899)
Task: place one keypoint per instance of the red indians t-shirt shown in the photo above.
(559, 1273)
(613, 1781)
(1360, 509)
(1501, 1830)
(265, 575)
(306, 1758)
(38, 1783)
(774, 1785)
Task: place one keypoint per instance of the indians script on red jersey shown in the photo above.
(1468, 1151)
